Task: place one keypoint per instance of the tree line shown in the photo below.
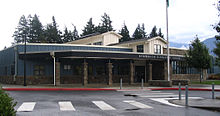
(33, 31)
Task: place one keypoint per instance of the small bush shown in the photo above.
(6, 104)
(214, 77)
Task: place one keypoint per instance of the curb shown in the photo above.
(191, 89)
(58, 89)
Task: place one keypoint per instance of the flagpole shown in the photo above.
(168, 51)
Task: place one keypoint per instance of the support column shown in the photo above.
(165, 71)
(57, 73)
(85, 73)
(150, 71)
(131, 72)
(109, 73)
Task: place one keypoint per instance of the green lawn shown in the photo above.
(216, 82)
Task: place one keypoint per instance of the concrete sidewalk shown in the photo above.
(210, 104)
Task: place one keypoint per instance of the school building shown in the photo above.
(95, 58)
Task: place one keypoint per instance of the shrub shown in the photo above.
(6, 104)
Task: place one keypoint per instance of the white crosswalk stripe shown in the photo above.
(26, 107)
(137, 104)
(103, 106)
(66, 106)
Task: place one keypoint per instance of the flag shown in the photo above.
(167, 3)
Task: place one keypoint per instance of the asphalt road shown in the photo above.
(105, 103)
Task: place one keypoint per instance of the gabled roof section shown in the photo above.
(86, 37)
(112, 32)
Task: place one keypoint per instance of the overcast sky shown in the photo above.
(186, 17)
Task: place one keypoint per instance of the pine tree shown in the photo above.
(67, 36)
(52, 34)
(198, 56)
(160, 33)
(75, 33)
(143, 33)
(89, 28)
(36, 30)
(217, 52)
(106, 24)
(125, 33)
(217, 43)
(138, 33)
(153, 32)
(21, 31)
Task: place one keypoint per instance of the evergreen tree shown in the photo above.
(198, 56)
(89, 28)
(75, 33)
(143, 33)
(217, 52)
(125, 33)
(21, 31)
(106, 24)
(160, 33)
(52, 34)
(67, 36)
(217, 43)
(138, 33)
(153, 32)
(36, 30)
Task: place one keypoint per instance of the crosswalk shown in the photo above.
(156, 96)
(68, 106)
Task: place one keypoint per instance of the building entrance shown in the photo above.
(139, 74)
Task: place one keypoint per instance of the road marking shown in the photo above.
(137, 104)
(152, 96)
(26, 107)
(66, 106)
(102, 105)
(165, 101)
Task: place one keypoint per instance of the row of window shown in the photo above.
(99, 69)
(181, 67)
(96, 43)
(157, 48)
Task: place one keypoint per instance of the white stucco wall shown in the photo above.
(106, 39)
(148, 45)
(110, 39)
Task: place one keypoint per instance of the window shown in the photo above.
(67, 67)
(100, 69)
(140, 48)
(157, 49)
(38, 70)
(97, 43)
(77, 70)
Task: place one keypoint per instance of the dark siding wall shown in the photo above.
(7, 61)
(48, 67)
(7, 58)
